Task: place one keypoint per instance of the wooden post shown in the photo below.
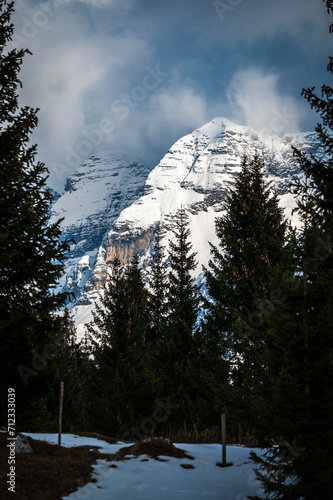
(224, 440)
(61, 400)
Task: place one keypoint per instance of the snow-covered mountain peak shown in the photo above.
(95, 195)
(208, 158)
(216, 127)
(113, 205)
(182, 157)
(197, 173)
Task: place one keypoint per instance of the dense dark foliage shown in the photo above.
(252, 244)
(32, 253)
(298, 408)
(122, 375)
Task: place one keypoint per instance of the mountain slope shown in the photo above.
(95, 195)
(196, 173)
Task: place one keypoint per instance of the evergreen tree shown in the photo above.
(299, 404)
(208, 379)
(158, 312)
(73, 367)
(123, 377)
(32, 255)
(183, 301)
(157, 298)
(251, 244)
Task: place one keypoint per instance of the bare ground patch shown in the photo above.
(153, 448)
(49, 473)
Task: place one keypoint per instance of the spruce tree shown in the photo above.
(239, 282)
(157, 298)
(208, 379)
(299, 404)
(157, 282)
(122, 375)
(32, 254)
(183, 301)
(73, 368)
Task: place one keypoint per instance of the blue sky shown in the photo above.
(133, 76)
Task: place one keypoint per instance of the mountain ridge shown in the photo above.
(113, 205)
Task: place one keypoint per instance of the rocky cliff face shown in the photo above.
(95, 195)
(113, 207)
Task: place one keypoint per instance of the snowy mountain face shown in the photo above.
(113, 206)
(95, 195)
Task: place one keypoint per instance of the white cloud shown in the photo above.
(177, 108)
(147, 128)
(73, 77)
(256, 101)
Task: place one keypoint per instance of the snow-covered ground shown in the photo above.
(135, 479)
